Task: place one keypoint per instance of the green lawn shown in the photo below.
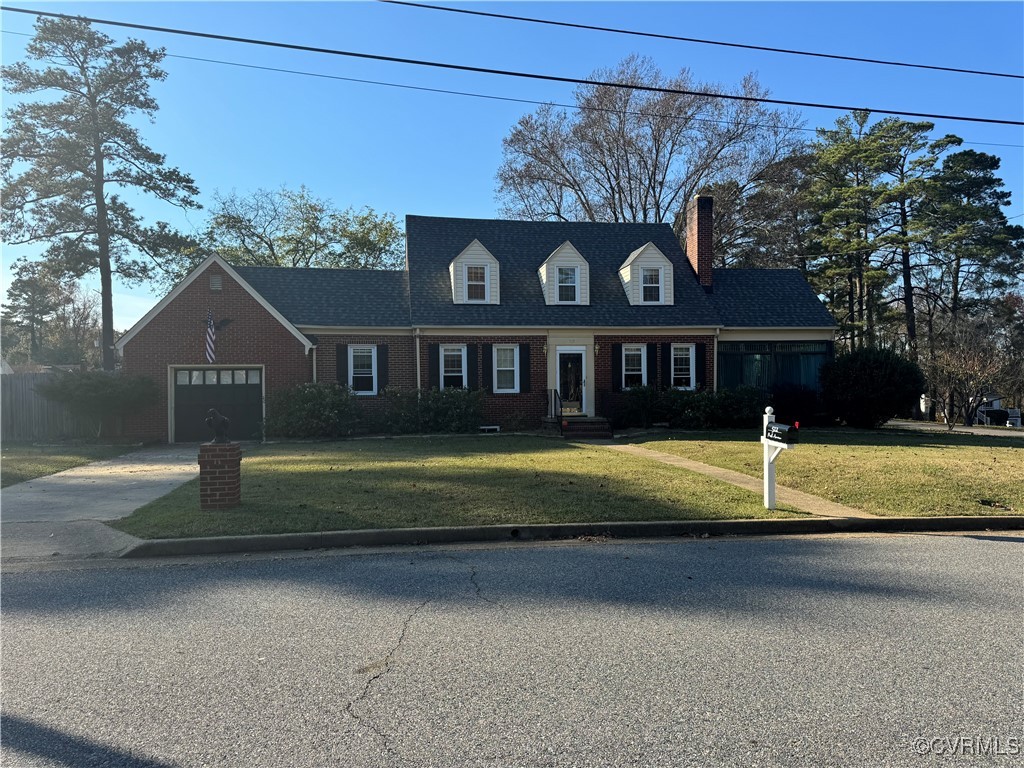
(883, 472)
(414, 482)
(20, 462)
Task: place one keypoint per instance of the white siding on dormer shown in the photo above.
(476, 255)
(648, 255)
(564, 255)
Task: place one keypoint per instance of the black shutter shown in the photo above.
(433, 366)
(700, 358)
(382, 366)
(487, 352)
(471, 377)
(341, 364)
(666, 366)
(524, 367)
(652, 365)
(616, 367)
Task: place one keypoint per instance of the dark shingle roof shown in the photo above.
(772, 298)
(742, 298)
(343, 297)
(520, 248)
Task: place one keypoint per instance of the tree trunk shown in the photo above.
(908, 286)
(103, 251)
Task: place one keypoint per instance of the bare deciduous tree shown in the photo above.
(638, 156)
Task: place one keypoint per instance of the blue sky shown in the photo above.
(412, 152)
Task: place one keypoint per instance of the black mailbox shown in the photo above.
(781, 433)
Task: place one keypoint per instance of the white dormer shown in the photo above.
(474, 276)
(647, 276)
(565, 276)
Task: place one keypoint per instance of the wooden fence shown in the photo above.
(25, 415)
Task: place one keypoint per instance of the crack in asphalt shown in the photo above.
(388, 662)
(476, 584)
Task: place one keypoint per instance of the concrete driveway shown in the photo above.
(59, 515)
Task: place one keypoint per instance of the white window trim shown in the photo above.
(575, 284)
(351, 372)
(692, 348)
(661, 285)
(643, 364)
(494, 368)
(440, 363)
(487, 283)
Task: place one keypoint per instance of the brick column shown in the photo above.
(220, 475)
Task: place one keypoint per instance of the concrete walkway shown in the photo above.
(927, 426)
(59, 515)
(804, 502)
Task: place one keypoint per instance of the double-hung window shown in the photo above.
(506, 368)
(634, 365)
(650, 279)
(476, 282)
(362, 369)
(568, 285)
(453, 366)
(683, 366)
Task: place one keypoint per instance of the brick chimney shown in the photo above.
(699, 214)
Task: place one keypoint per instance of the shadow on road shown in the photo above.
(697, 577)
(30, 738)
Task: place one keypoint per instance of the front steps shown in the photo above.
(581, 427)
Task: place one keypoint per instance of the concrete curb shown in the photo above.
(218, 545)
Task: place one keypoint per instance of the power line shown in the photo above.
(492, 97)
(509, 73)
(678, 38)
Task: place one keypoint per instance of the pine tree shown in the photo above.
(68, 161)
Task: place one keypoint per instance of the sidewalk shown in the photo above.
(930, 426)
(59, 515)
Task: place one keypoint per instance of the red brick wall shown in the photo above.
(177, 336)
(523, 410)
(401, 361)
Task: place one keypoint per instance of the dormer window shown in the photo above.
(651, 285)
(647, 277)
(565, 276)
(568, 285)
(476, 282)
(475, 276)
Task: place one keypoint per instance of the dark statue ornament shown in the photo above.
(219, 425)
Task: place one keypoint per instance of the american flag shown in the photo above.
(211, 337)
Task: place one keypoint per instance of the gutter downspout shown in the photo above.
(314, 363)
(416, 334)
(714, 364)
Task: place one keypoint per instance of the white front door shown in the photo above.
(572, 379)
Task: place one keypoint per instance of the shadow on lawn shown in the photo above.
(802, 577)
(591, 488)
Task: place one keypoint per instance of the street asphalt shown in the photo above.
(840, 650)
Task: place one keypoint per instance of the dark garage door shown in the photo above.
(234, 392)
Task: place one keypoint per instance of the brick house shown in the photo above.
(545, 317)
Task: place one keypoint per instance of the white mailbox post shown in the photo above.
(776, 438)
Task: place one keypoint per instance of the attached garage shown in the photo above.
(234, 392)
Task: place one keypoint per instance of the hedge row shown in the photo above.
(327, 410)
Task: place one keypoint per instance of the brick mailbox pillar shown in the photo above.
(220, 475)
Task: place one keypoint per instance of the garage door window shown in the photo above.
(201, 377)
